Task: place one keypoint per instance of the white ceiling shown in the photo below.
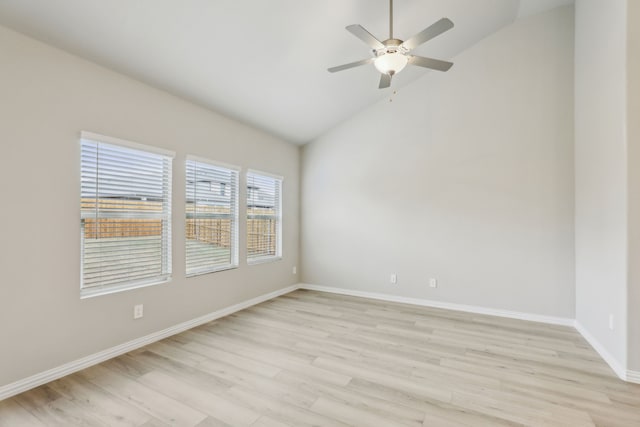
(261, 62)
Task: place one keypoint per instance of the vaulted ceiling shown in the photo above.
(261, 62)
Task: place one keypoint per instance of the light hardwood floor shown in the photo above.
(311, 358)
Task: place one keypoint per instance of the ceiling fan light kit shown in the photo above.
(392, 55)
(392, 59)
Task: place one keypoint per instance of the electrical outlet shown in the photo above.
(433, 283)
(295, 270)
(138, 311)
(393, 279)
(611, 322)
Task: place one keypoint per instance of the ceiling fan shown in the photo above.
(392, 55)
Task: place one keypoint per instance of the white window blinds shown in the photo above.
(211, 217)
(125, 214)
(264, 217)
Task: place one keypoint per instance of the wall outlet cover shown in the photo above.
(138, 311)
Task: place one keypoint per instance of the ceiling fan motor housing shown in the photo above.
(391, 46)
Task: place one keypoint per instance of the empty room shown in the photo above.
(320, 213)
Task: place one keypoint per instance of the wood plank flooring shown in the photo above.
(317, 359)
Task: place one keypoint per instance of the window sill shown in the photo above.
(264, 260)
(214, 270)
(90, 293)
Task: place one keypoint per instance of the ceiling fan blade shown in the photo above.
(365, 36)
(385, 81)
(350, 65)
(434, 64)
(428, 33)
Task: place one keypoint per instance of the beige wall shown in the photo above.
(633, 138)
(466, 176)
(47, 98)
(601, 172)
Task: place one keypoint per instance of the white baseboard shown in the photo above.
(446, 305)
(28, 383)
(602, 351)
(633, 376)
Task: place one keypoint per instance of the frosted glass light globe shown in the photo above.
(391, 63)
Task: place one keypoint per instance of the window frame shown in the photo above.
(165, 217)
(278, 218)
(234, 238)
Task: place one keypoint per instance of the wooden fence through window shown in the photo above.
(261, 229)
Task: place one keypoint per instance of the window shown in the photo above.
(264, 217)
(211, 217)
(125, 214)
